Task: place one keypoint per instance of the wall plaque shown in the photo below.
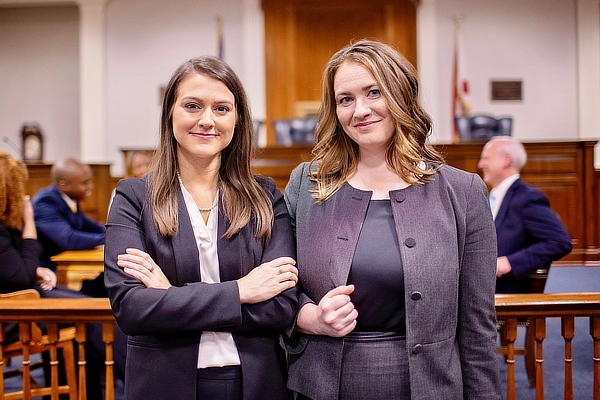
(507, 90)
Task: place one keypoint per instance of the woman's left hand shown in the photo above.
(46, 278)
(141, 266)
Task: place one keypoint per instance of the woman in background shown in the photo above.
(396, 250)
(19, 248)
(137, 163)
(199, 254)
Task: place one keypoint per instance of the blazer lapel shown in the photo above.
(230, 252)
(185, 250)
(504, 206)
(349, 208)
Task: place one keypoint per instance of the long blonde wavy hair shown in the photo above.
(335, 155)
(13, 178)
(243, 198)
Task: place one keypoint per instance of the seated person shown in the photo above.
(137, 164)
(19, 270)
(530, 234)
(61, 225)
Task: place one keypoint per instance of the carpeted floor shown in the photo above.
(561, 279)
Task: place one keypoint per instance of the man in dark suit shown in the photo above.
(61, 225)
(530, 234)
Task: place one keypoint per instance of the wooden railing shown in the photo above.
(510, 308)
(78, 312)
(538, 307)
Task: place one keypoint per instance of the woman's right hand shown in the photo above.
(29, 231)
(268, 280)
(334, 316)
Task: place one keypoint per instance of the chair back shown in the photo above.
(34, 342)
(26, 294)
(296, 130)
(483, 127)
(536, 282)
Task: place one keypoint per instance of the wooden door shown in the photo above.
(301, 36)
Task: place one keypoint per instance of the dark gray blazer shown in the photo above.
(448, 247)
(165, 325)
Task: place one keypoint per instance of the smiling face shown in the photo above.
(204, 118)
(78, 183)
(361, 109)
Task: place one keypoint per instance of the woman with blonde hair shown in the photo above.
(396, 250)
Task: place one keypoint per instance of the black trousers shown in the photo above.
(219, 383)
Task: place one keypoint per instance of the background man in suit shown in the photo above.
(530, 234)
(61, 225)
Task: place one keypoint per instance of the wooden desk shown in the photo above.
(73, 266)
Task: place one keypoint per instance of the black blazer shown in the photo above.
(529, 233)
(165, 325)
(19, 259)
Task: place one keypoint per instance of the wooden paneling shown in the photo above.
(564, 171)
(301, 36)
(95, 206)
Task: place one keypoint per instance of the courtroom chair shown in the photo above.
(296, 130)
(256, 125)
(32, 341)
(536, 283)
(483, 127)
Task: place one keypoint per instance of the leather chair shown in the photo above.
(296, 130)
(536, 283)
(483, 127)
(32, 341)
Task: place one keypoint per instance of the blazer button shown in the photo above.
(415, 296)
(400, 197)
(410, 242)
(417, 349)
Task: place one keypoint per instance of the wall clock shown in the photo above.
(32, 143)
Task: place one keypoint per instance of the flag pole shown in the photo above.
(220, 48)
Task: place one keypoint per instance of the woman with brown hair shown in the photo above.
(199, 254)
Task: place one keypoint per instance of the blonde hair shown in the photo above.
(242, 196)
(409, 154)
(13, 177)
(129, 161)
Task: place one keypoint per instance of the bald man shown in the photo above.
(61, 225)
(530, 234)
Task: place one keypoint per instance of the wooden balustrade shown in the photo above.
(80, 313)
(538, 307)
(509, 307)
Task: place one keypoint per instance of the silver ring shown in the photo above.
(151, 269)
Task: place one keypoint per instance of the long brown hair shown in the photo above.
(408, 153)
(242, 197)
(13, 177)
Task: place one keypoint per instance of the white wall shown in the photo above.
(147, 40)
(39, 71)
(532, 40)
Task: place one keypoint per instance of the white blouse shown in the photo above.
(217, 349)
